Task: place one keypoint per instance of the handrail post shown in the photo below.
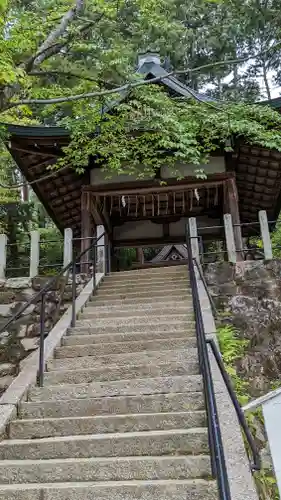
(229, 237)
(265, 234)
(42, 341)
(3, 255)
(34, 253)
(193, 235)
(67, 246)
(73, 294)
(39, 296)
(202, 277)
(108, 254)
(94, 266)
(101, 255)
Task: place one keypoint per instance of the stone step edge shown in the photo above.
(133, 458)
(111, 435)
(108, 417)
(159, 292)
(108, 398)
(192, 351)
(88, 328)
(131, 342)
(103, 336)
(161, 364)
(123, 381)
(175, 317)
(105, 484)
(163, 304)
(143, 280)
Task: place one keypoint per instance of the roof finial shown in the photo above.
(148, 57)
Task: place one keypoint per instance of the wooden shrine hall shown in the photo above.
(149, 212)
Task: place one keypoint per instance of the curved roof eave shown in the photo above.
(36, 130)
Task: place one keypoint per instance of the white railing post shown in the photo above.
(34, 253)
(100, 250)
(272, 414)
(267, 247)
(229, 238)
(271, 409)
(193, 235)
(67, 246)
(3, 255)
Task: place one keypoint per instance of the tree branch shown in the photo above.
(57, 32)
(62, 73)
(129, 86)
(44, 178)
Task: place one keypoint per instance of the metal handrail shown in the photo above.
(215, 439)
(41, 296)
(256, 465)
(202, 277)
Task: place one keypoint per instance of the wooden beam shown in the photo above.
(100, 218)
(34, 151)
(191, 181)
(150, 242)
(147, 190)
(42, 164)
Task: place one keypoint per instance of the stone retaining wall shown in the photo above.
(22, 337)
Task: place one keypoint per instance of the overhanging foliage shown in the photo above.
(150, 129)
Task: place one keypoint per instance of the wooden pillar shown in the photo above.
(232, 207)
(86, 231)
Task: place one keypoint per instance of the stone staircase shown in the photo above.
(121, 414)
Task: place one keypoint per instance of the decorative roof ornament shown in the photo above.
(148, 57)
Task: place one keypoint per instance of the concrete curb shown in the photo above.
(17, 391)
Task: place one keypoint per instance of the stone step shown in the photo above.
(115, 372)
(135, 387)
(165, 442)
(147, 283)
(136, 277)
(131, 294)
(136, 319)
(151, 304)
(188, 489)
(91, 328)
(78, 338)
(153, 271)
(104, 469)
(97, 301)
(127, 359)
(146, 310)
(75, 426)
(74, 351)
(122, 405)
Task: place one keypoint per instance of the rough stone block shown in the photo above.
(19, 283)
(6, 369)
